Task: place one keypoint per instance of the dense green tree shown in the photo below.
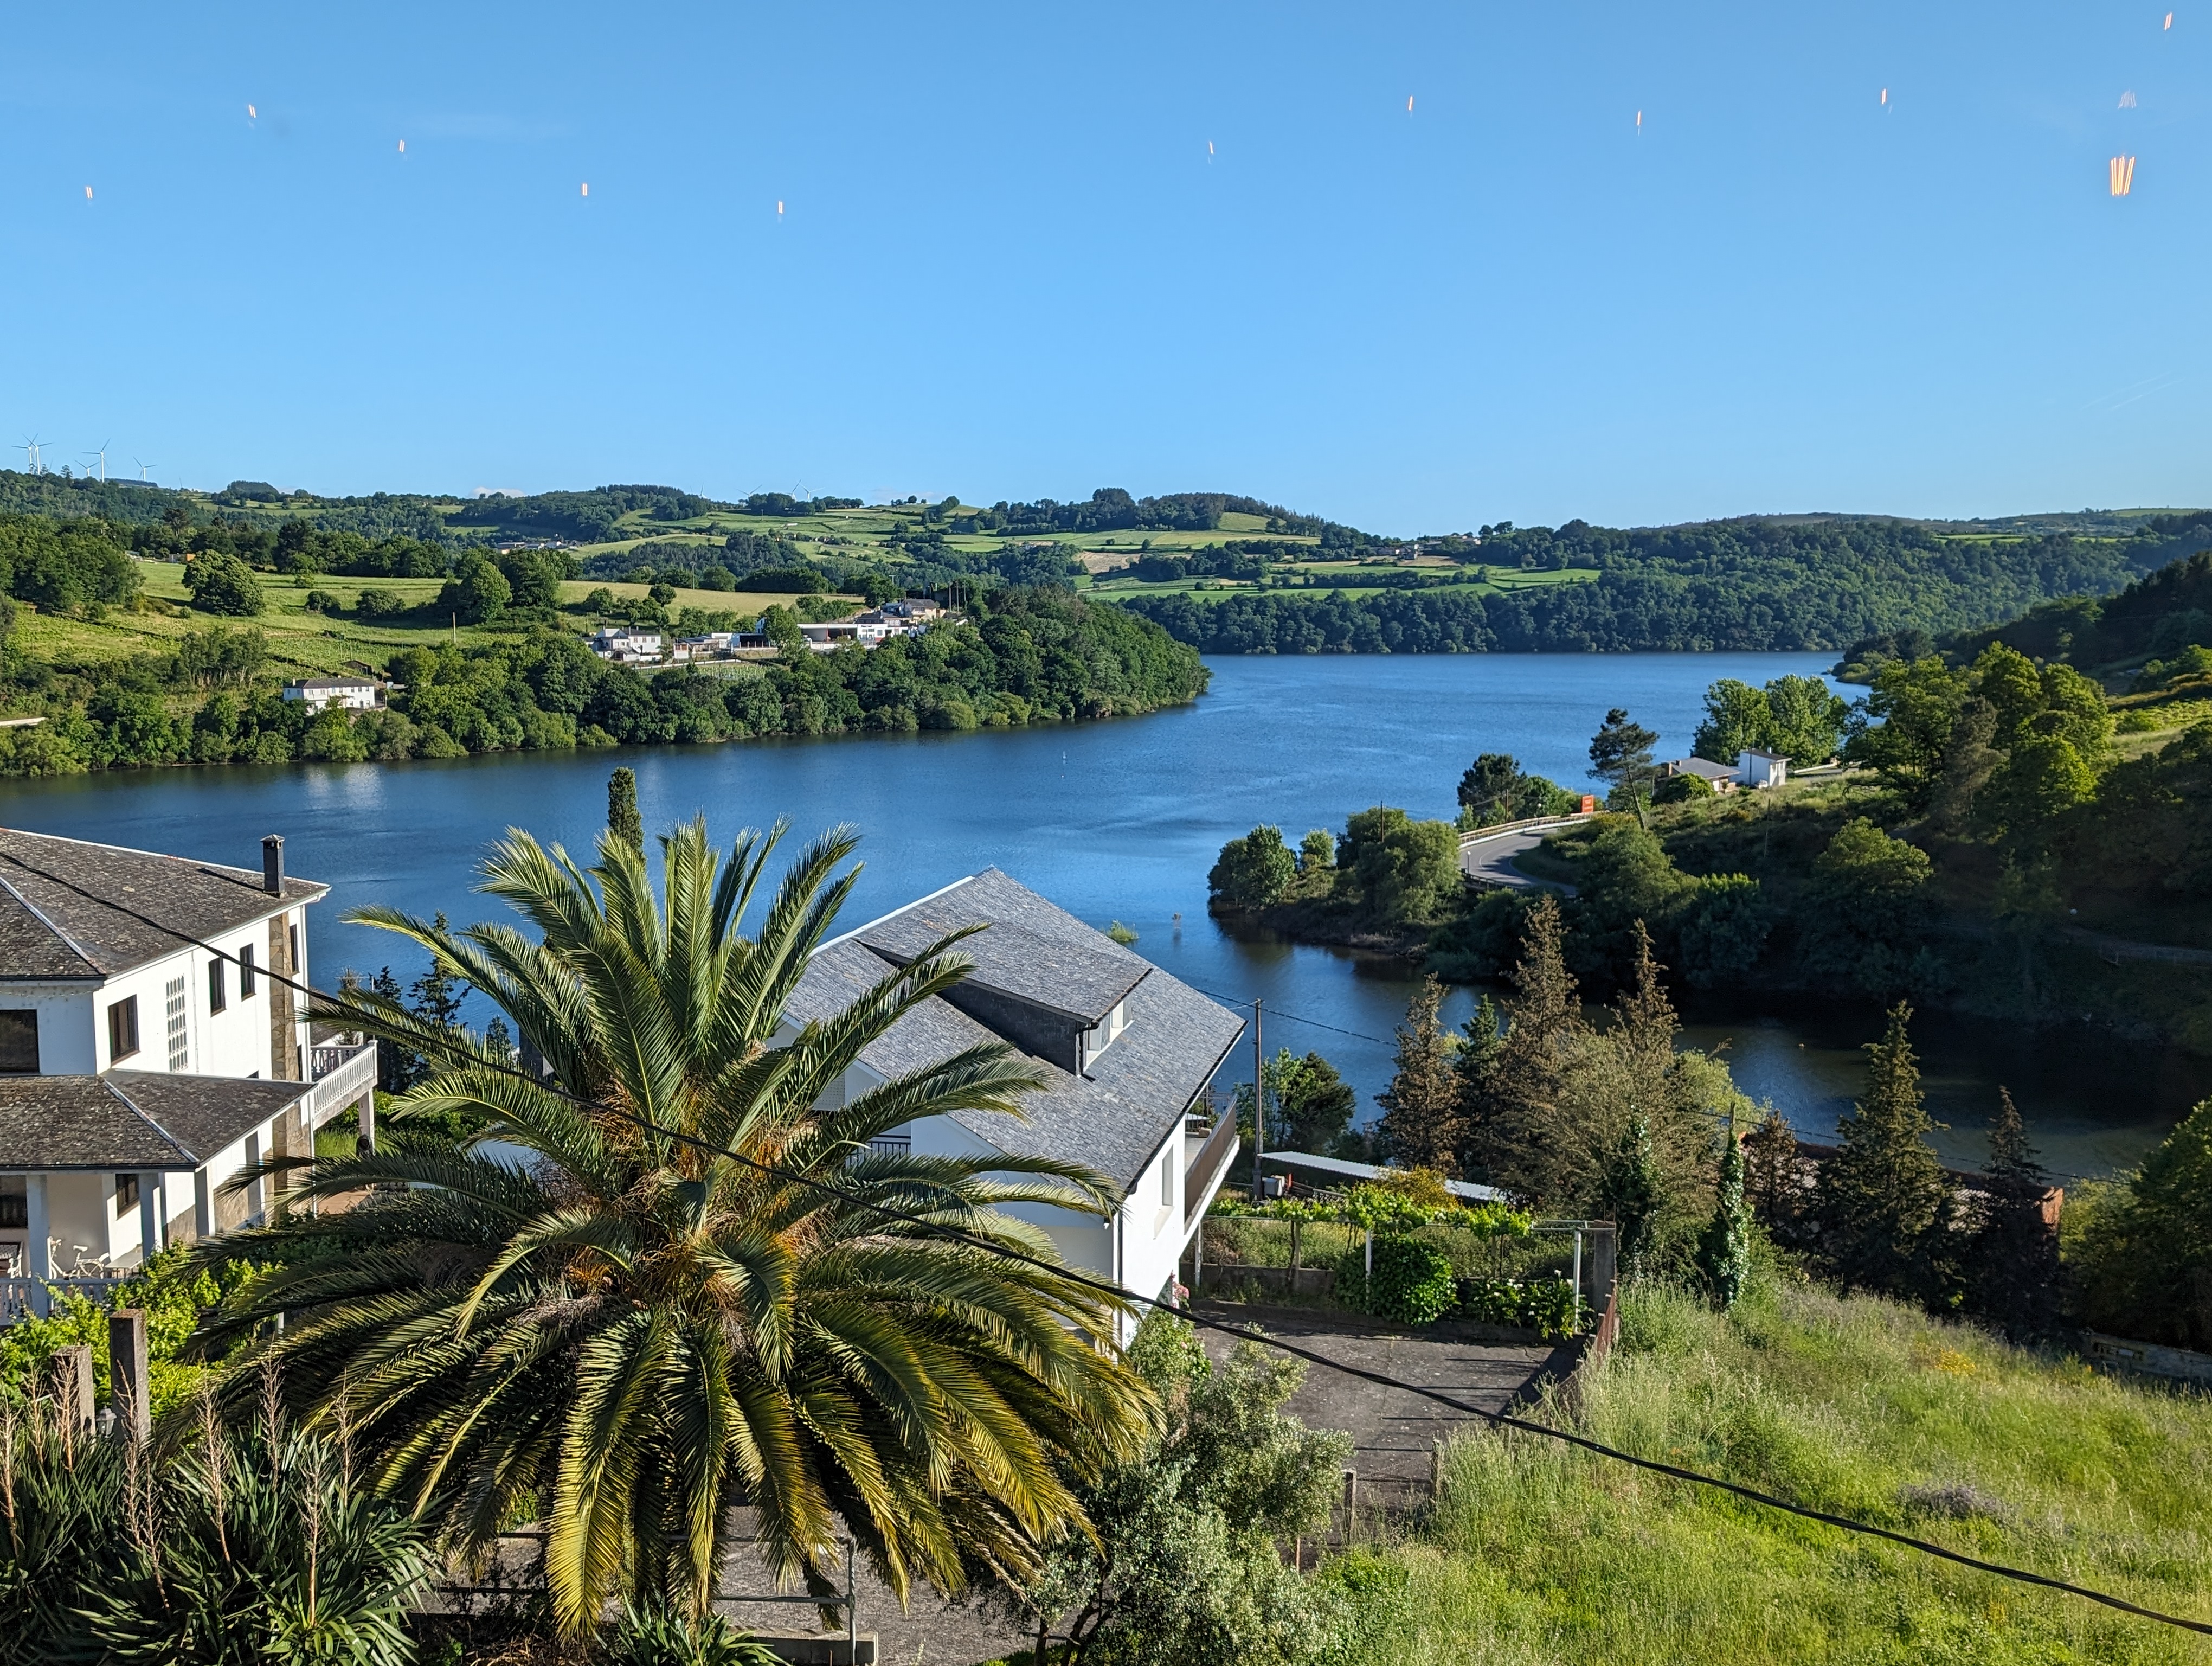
(1395, 869)
(639, 1335)
(1882, 1197)
(223, 584)
(1509, 1136)
(476, 593)
(2145, 1253)
(1253, 871)
(1314, 1105)
(2013, 1259)
(1318, 851)
(1866, 911)
(1806, 720)
(1903, 730)
(1738, 718)
(1723, 932)
(1423, 1125)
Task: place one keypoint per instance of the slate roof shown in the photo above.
(1115, 1118)
(48, 931)
(131, 1119)
(1032, 951)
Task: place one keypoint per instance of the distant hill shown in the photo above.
(1231, 574)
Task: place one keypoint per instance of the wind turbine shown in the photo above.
(32, 445)
(142, 467)
(101, 454)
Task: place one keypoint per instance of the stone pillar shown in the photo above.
(126, 1371)
(366, 1120)
(41, 1231)
(149, 1215)
(202, 1205)
(73, 1386)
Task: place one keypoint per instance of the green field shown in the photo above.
(1537, 1553)
(300, 641)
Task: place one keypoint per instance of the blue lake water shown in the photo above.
(1119, 820)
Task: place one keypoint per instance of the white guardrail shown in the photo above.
(1530, 824)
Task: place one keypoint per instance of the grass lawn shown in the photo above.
(1536, 1553)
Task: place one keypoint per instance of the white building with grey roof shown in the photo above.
(147, 1056)
(1127, 1052)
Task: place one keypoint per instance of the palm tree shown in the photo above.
(633, 1334)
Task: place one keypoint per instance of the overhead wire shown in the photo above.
(1114, 1293)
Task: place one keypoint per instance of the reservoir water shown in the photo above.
(1120, 820)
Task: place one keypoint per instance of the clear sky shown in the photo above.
(1007, 264)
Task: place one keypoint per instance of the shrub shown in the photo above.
(1545, 1305)
(1412, 1282)
(376, 603)
(1253, 871)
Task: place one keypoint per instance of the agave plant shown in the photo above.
(649, 1287)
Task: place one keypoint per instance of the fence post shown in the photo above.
(126, 1369)
(73, 1386)
(1578, 1278)
(1351, 1503)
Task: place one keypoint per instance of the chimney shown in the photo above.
(272, 865)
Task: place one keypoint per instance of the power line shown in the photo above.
(1277, 1012)
(1115, 1293)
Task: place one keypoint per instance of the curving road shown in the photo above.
(1488, 859)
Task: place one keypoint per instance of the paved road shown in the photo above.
(1490, 861)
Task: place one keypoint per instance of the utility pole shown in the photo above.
(1259, 1103)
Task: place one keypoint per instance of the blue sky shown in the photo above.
(1007, 266)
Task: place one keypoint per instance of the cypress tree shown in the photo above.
(1633, 1191)
(622, 819)
(2013, 1258)
(1771, 1179)
(1724, 1251)
(1883, 1195)
(1515, 1143)
(1420, 1110)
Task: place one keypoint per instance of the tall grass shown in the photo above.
(1535, 1553)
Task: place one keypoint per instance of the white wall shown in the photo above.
(235, 1041)
(65, 1024)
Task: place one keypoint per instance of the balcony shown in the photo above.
(344, 1074)
(1208, 1144)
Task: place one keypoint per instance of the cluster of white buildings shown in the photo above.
(628, 645)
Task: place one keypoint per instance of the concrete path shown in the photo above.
(1489, 862)
(1392, 1430)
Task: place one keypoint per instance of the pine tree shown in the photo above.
(1883, 1196)
(1644, 1028)
(1724, 1251)
(1482, 1042)
(622, 819)
(1516, 1144)
(396, 1066)
(1771, 1171)
(1420, 1110)
(2013, 1261)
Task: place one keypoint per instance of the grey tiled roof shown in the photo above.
(49, 931)
(1112, 1120)
(131, 1119)
(1033, 950)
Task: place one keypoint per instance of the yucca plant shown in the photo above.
(60, 1530)
(250, 1546)
(582, 1310)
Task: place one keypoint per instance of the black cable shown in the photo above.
(1115, 1292)
(1277, 1013)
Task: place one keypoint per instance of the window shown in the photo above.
(122, 1029)
(19, 1043)
(1167, 1181)
(179, 1020)
(218, 995)
(292, 942)
(126, 1194)
(245, 972)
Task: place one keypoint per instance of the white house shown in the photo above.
(353, 693)
(835, 633)
(1758, 768)
(1127, 1053)
(624, 646)
(138, 1071)
(714, 645)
